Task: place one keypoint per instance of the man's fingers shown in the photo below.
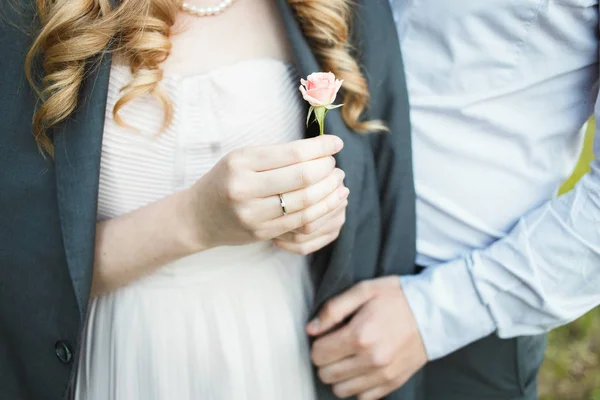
(357, 337)
(345, 369)
(378, 392)
(334, 347)
(373, 385)
(264, 158)
(392, 377)
(359, 384)
(340, 307)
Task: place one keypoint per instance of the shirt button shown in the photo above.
(63, 352)
(215, 147)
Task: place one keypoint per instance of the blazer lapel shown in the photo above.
(78, 144)
(351, 160)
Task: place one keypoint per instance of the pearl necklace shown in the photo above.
(206, 11)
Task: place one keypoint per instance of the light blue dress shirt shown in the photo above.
(499, 91)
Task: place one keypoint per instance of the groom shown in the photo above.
(499, 91)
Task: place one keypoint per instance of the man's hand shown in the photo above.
(374, 353)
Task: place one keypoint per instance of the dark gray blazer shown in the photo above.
(48, 208)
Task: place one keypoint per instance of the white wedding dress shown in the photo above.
(224, 324)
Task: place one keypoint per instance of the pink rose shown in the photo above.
(320, 88)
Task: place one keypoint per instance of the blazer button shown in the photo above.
(63, 352)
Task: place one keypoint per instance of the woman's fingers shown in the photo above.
(306, 248)
(279, 226)
(307, 244)
(302, 198)
(336, 217)
(291, 178)
(264, 158)
(330, 223)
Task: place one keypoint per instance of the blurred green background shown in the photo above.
(572, 367)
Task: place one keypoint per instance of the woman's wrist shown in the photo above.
(191, 234)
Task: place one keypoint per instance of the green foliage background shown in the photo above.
(572, 367)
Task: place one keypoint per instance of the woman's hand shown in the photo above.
(316, 235)
(237, 202)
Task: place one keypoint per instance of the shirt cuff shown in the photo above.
(447, 307)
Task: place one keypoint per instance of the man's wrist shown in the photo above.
(447, 308)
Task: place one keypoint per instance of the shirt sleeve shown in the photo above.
(543, 274)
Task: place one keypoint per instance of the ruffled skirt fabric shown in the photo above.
(226, 324)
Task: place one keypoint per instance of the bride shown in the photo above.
(192, 300)
(212, 192)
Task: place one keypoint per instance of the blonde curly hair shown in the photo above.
(75, 33)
